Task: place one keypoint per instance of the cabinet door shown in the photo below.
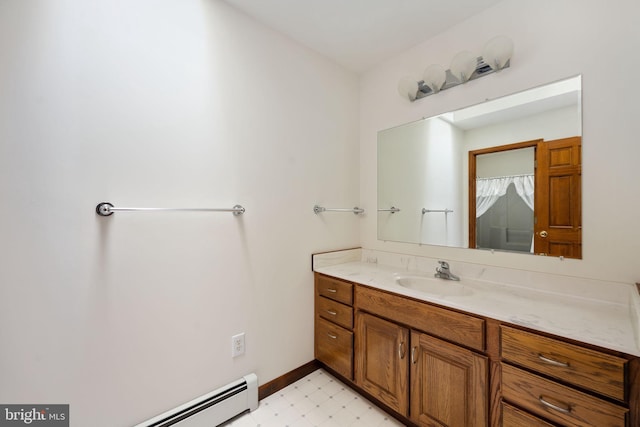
(448, 384)
(382, 366)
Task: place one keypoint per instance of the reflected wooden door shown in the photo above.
(558, 223)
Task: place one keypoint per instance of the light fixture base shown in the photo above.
(482, 69)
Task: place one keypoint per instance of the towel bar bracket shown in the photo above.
(104, 209)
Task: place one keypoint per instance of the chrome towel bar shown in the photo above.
(317, 209)
(446, 211)
(106, 209)
(392, 209)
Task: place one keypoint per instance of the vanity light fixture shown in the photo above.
(465, 66)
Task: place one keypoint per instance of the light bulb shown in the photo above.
(408, 88)
(463, 65)
(434, 77)
(497, 52)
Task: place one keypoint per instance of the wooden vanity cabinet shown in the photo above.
(567, 384)
(333, 343)
(431, 381)
(439, 367)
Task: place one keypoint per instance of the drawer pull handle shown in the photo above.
(332, 336)
(566, 410)
(333, 291)
(414, 355)
(331, 312)
(401, 350)
(553, 362)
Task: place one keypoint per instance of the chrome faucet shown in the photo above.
(443, 272)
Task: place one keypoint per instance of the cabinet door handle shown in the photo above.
(332, 336)
(566, 410)
(401, 350)
(553, 362)
(331, 312)
(333, 291)
(414, 355)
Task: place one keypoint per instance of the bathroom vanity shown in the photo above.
(476, 353)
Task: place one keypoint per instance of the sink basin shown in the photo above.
(433, 286)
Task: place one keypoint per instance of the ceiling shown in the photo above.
(361, 33)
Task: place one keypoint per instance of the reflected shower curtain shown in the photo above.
(489, 190)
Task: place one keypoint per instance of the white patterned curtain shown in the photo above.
(489, 190)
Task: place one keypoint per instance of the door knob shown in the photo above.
(543, 234)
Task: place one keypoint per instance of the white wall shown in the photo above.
(168, 103)
(411, 155)
(401, 180)
(438, 228)
(553, 40)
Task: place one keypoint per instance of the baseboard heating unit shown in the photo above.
(213, 408)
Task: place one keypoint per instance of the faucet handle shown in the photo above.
(443, 264)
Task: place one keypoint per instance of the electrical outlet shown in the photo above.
(237, 345)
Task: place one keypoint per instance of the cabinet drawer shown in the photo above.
(558, 403)
(334, 289)
(334, 347)
(440, 322)
(593, 370)
(335, 312)
(514, 417)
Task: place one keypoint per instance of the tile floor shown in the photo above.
(318, 399)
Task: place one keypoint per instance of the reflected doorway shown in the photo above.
(526, 197)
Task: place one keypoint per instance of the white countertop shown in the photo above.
(611, 325)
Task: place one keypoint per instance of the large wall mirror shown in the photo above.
(503, 175)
